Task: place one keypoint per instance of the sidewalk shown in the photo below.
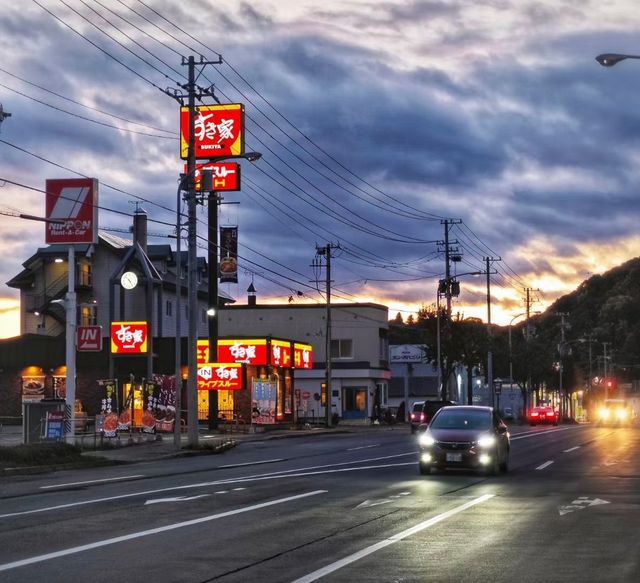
(143, 448)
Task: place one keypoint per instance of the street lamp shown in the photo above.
(611, 59)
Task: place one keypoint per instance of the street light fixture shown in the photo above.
(611, 59)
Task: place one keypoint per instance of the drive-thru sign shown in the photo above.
(89, 338)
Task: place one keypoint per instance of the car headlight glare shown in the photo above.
(426, 440)
(621, 413)
(487, 441)
(604, 413)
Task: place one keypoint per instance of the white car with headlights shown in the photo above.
(465, 437)
(614, 412)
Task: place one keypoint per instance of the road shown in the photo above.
(348, 507)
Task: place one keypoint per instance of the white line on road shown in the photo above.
(324, 571)
(363, 447)
(544, 465)
(92, 482)
(571, 449)
(142, 533)
(536, 433)
(250, 464)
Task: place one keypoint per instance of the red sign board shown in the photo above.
(219, 131)
(214, 376)
(280, 353)
(302, 355)
(89, 338)
(226, 175)
(128, 337)
(74, 201)
(247, 351)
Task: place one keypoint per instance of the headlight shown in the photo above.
(426, 440)
(604, 413)
(621, 413)
(487, 441)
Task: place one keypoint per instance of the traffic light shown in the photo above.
(610, 384)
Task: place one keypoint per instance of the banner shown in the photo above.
(166, 404)
(263, 401)
(228, 255)
(107, 421)
(151, 397)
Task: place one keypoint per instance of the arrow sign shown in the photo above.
(580, 504)
(370, 503)
(175, 499)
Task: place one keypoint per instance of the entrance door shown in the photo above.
(354, 402)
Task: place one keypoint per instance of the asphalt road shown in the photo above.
(348, 507)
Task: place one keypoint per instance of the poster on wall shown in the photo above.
(263, 401)
(33, 388)
(59, 387)
(151, 391)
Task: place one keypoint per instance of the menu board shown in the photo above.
(33, 388)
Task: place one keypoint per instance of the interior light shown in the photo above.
(211, 312)
(58, 260)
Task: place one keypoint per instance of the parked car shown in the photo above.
(614, 412)
(427, 410)
(470, 437)
(540, 415)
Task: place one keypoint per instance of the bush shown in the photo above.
(39, 454)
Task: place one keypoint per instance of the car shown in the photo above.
(465, 436)
(540, 415)
(614, 412)
(425, 410)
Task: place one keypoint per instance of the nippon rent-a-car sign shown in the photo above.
(73, 202)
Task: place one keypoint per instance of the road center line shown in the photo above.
(571, 449)
(92, 482)
(142, 533)
(250, 464)
(363, 447)
(544, 465)
(324, 571)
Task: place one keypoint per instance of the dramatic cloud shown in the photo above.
(376, 120)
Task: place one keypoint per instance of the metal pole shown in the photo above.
(70, 345)
(489, 353)
(328, 347)
(606, 388)
(212, 212)
(192, 395)
(439, 348)
(177, 429)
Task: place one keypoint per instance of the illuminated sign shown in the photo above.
(73, 203)
(280, 353)
(89, 338)
(226, 175)
(202, 351)
(214, 376)
(248, 351)
(218, 131)
(302, 355)
(129, 337)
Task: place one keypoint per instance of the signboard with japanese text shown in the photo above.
(202, 351)
(226, 175)
(74, 202)
(218, 130)
(228, 255)
(263, 401)
(302, 355)
(129, 337)
(214, 376)
(54, 425)
(252, 351)
(89, 338)
(280, 353)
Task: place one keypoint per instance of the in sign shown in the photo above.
(89, 338)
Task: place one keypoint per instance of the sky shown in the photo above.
(376, 122)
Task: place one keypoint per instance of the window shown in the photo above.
(342, 348)
(168, 310)
(186, 311)
(88, 315)
(383, 391)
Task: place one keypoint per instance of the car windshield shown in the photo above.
(461, 419)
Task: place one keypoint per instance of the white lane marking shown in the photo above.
(199, 485)
(544, 465)
(370, 503)
(250, 464)
(324, 571)
(536, 433)
(363, 447)
(238, 489)
(152, 531)
(580, 504)
(571, 449)
(176, 499)
(92, 482)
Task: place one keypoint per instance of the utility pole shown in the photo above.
(606, 388)
(561, 350)
(488, 261)
(447, 258)
(326, 252)
(527, 334)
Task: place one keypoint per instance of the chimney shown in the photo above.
(251, 295)
(140, 228)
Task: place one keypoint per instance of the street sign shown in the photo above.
(497, 386)
(89, 338)
(218, 131)
(74, 201)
